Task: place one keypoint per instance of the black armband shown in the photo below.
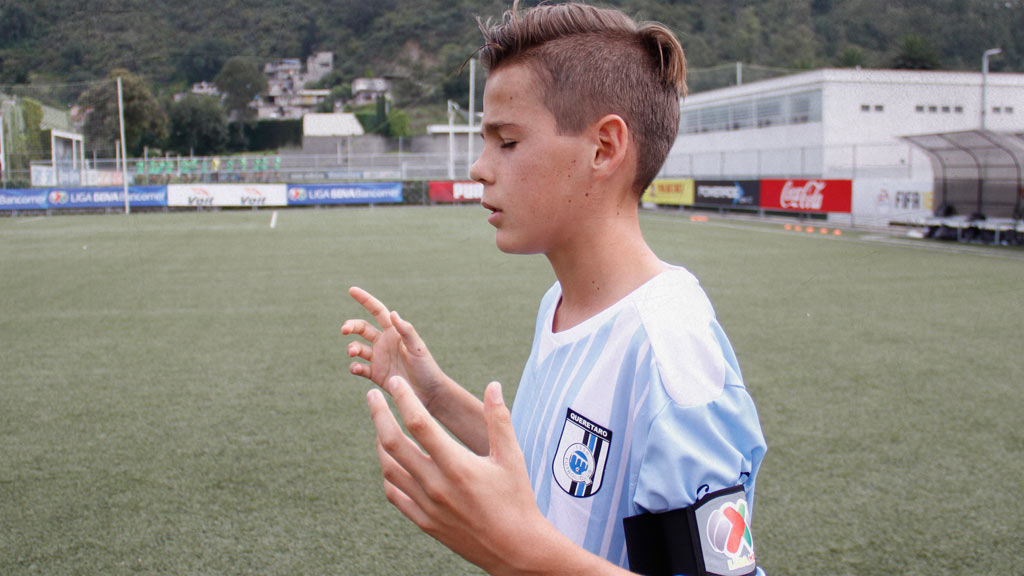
(710, 538)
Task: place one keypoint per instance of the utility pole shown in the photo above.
(984, 83)
(124, 149)
(472, 112)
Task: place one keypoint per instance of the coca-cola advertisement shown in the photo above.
(807, 195)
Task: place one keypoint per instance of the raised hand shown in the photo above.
(393, 348)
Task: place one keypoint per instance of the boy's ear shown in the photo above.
(612, 144)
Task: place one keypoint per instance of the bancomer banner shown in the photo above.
(226, 195)
(23, 199)
(56, 198)
(736, 193)
(110, 197)
(353, 193)
(807, 195)
(448, 192)
(672, 192)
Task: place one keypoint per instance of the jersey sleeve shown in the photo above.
(695, 448)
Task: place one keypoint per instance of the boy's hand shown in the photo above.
(482, 507)
(394, 349)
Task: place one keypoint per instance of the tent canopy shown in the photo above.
(977, 172)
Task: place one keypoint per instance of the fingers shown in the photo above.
(360, 350)
(375, 307)
(413, 343)
(421, 426)
(500, 434)
(360, 327)
(390, 435)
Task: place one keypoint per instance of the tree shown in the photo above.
(204, 58)
(398, 124)
(145, 122)
(916, 53)
(240, 81)
(198, 126)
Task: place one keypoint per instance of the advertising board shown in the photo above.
(820, 196)
(449, 192)
(732, 193)
(23, 199)
(670, 192)
(347, 193)
(226, 195)
(879, 202)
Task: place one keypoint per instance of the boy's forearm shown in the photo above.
(547, 552)
(461, 413)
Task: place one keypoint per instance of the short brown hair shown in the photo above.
(593, 61)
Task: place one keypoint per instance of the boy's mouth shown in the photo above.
(495, 213)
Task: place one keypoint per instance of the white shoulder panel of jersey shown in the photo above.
(678, 318)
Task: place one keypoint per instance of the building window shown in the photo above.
(945, 109)
(933, 109)
(997, 110)
(958, 109)
(1009, 109)
(865, 108)
(919, 108)
(879, 108)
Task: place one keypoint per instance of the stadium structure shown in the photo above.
(913, 144)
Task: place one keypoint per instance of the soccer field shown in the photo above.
(174, 394)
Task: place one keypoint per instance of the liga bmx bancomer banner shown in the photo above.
(65, 198)
(226, 195)
(345, 193)
(107, 197)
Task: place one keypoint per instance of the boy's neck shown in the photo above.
(604, 264)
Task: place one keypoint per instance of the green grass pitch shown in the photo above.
(174, 395)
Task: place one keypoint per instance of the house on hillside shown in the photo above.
(367, 90)
(287, 95)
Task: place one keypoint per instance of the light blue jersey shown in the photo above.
(639, 409)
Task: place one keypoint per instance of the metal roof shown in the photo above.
(979, 172)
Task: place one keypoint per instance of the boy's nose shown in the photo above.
(478, 172)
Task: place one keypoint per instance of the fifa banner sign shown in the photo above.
(821, 196)
(670, 192)
(453, 192)
(728, 193)
(226, 195)
(349, 193)
(64, 198)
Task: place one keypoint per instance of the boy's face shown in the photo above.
(534, 178)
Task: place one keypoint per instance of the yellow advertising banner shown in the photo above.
(674, 192)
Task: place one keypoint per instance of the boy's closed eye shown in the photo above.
(508, 144)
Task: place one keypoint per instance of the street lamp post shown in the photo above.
(984, 82)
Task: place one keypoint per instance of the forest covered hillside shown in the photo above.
(58, 53)
(184, 41)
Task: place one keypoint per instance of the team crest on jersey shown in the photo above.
(581, 455)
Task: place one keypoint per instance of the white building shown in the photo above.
(838, 124)
(367, 90)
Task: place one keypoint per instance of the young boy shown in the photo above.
(632, 442)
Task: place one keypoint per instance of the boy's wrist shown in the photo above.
(545, 551)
